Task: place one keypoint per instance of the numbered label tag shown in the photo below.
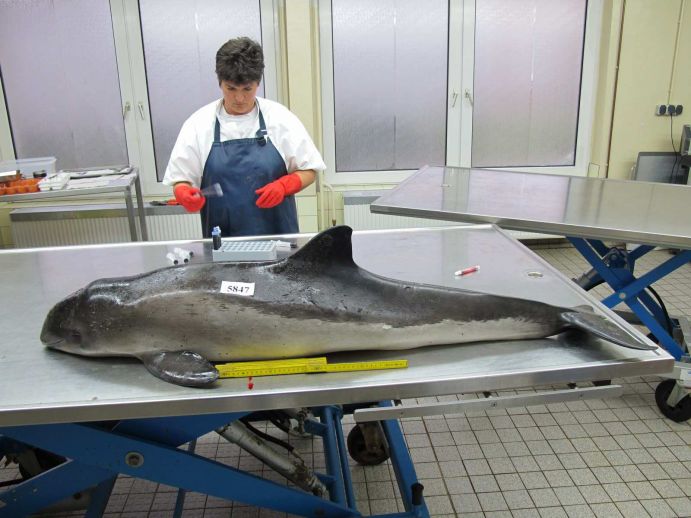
(244, 289)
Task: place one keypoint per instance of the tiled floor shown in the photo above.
(603, 458)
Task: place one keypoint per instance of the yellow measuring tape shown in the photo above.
(301, 366)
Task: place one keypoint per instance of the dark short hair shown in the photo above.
(240, 61)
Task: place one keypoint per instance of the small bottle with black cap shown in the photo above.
(216, 237)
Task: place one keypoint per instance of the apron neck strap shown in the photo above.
(261, 132)
(217, 131)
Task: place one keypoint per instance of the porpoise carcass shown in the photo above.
(177, 320)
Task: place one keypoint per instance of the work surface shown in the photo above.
(637, 212)
(42, 386)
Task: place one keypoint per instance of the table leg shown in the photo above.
(411, 490)
(141, 209)
(99, 498)
(130, 214)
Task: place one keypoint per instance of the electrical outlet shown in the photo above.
(669, 109)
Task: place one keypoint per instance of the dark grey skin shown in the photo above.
(318, 301)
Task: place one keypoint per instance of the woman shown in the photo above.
(256, 149)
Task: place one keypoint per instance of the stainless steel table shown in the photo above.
(67, 388)
(114, 184)
(56, 391)
(587, 211)
(635, 212)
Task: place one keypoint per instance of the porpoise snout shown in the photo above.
(58, 328)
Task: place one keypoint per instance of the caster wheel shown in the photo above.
(358, 450)
(677, 413)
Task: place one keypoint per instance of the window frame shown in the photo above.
(6, 144)
(460, 89)
(7, 150)
(129, 53)
(129, 39)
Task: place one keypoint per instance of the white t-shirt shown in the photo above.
(284, 129)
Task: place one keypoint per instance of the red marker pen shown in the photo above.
(250, 383)
(467, 271)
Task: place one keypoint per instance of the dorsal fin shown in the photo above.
(329, 247)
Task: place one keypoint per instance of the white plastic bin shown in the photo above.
(28, 166)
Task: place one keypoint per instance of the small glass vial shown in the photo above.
(216, 237)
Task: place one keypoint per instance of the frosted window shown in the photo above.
(389, 60)
(528, 57)
(181, 38)
(61, 81)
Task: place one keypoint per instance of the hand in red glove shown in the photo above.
(273, 193)
(189, 197)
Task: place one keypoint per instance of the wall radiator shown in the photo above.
(94, 224)
(357, 215)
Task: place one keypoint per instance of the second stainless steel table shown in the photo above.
(634, 212)
(586, 210)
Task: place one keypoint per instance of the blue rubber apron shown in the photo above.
(242, 166)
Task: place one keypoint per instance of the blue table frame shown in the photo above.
(149, 449)
(616, 267)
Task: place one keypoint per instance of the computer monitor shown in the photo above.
(685, 140)
(660, 166)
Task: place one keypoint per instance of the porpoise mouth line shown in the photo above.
(56, 342)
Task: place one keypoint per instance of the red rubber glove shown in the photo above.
(189, 197)
(273, 193)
